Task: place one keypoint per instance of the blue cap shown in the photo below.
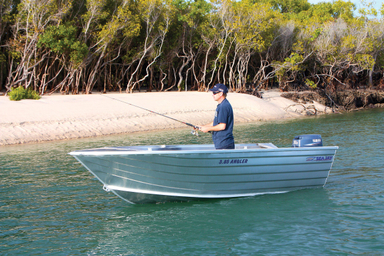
(219, 88)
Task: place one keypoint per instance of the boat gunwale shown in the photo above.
(129, 151)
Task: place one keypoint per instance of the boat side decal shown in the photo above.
(233, 161)
(320, 158)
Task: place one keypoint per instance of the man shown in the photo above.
(222, 125)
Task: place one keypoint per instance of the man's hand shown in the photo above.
(205, 128)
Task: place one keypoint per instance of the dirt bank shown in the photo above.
(347, 100)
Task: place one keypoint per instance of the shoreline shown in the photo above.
(64, 117)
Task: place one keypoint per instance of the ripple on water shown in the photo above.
(51, 205)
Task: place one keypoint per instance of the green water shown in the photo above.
(50, 205)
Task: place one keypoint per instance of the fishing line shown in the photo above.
(194, 132)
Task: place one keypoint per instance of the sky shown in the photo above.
(376, 3)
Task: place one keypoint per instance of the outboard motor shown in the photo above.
(308, 140)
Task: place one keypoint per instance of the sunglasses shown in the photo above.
(214, 93)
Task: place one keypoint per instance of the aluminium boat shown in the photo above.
(163, 173)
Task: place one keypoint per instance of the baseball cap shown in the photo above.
(219, 88)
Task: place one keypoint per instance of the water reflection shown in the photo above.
(51, 205)
(217, 226)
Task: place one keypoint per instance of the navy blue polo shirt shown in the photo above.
(224, 114)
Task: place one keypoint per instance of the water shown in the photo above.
(50, 205)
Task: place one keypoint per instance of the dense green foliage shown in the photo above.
(126, 45)
(20, 93)
(62, 40)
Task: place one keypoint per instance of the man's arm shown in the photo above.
(211, 128)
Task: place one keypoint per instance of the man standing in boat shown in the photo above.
(222, 125)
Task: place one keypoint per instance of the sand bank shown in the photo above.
(59, 117)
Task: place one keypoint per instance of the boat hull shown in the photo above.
(151, 174)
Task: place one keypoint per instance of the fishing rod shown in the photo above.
(194, 132)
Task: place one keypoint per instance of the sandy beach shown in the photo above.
(62, 117)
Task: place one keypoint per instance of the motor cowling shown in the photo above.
(307, 140)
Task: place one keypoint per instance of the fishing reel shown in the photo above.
(195, 132)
